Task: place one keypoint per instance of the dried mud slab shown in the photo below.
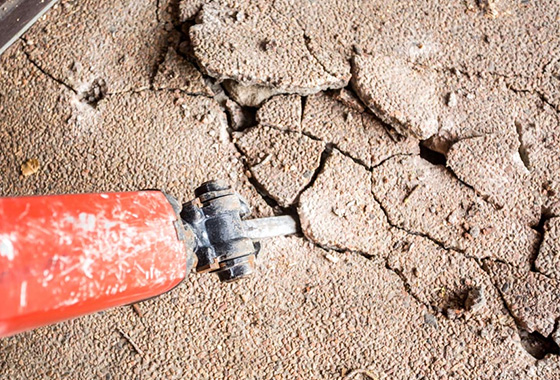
(329, 120)
(401, 95)
(485, 107)
(548, 261)
(258, 46)
(424, 198)
(358, 134)
(516, 41)
(176, 73)
(532, 298)
(455, 105)
(445, 279)
(282, 112)
(79, 42)
(474, 107)
(539, 132)
(339, 211)
(304, 315)
(507, 39)
(492, 165)
(282, 162)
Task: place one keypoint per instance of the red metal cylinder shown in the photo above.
(67, 255)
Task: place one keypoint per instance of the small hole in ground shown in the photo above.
(537, 345)
(432, 156)
(242, 118)
(95, 93)
(539, 227)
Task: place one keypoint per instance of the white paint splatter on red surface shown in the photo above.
(75, 254)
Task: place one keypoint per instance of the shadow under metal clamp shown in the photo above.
(225, 243)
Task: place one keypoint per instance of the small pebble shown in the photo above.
(431, 320)
(475, 231)
(333, 259)
(452, 100)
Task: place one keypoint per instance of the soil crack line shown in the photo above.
(46, 73)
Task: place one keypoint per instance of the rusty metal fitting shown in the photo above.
(222, 244)
(225, 243)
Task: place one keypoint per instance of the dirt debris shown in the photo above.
(476, 299)
(94, 92)
(130, 341)
(189, 9)
(360, 371)
(137, 309)
(240, 118)
(249, 96)
(349, 99)
(332, 258)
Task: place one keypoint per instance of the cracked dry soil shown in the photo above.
(417, 142)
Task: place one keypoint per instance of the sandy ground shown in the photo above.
(417, 142)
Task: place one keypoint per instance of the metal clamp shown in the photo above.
(225, 243)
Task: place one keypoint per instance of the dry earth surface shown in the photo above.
(417, 142)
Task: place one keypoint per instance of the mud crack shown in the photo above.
(330, 147)
(45, 72)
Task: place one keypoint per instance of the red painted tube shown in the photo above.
(64, 256)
